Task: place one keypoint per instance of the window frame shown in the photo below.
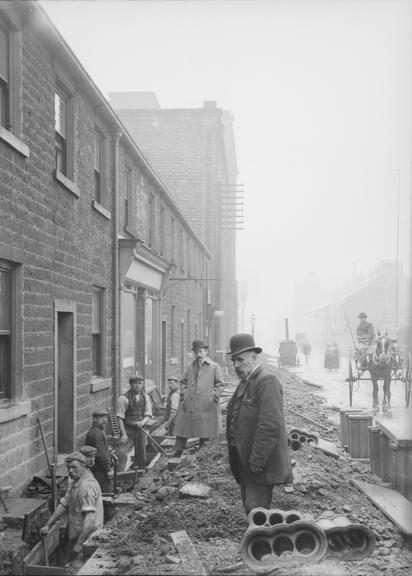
(98, 171)
(16, 327)
(60, 139)
(101, 370)
(11, 132)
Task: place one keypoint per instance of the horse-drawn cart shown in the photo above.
(386, 361)
(288, 354)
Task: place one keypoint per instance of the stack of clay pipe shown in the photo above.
(276, 537)
(346, 540)
(298, 438)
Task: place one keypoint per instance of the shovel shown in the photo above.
(155, 444)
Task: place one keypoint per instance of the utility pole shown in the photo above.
(397, 250)
(252, 322)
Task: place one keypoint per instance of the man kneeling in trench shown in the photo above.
(82, 503)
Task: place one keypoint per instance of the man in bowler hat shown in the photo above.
(256, 434)
(199, 409)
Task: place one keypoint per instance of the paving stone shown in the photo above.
(195, 490)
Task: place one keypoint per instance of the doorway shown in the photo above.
(65, 377)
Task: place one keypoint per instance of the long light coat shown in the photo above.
(199, 410)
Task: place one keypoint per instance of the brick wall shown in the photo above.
(61, 247)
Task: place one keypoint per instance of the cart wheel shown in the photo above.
(407, 379)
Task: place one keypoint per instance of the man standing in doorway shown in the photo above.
(134, 410)
(199, 411)
(256, 434)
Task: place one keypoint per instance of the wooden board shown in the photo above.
(327, 447)
(101, 562)
(398, 428)
(191, 563)
(36, 554)
(35, 570)
(393, 505)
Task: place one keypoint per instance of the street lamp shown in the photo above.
(252, 321)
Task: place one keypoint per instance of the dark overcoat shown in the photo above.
(256, 425)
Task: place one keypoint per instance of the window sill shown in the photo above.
(14, 410)
(99, 208)
(66, 182)
(97, 384)
(14, 142)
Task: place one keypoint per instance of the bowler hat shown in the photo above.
(362, 315)
(137, 378)
(99, 413)
(88, 450)
(243, 343)
(76, 456)
(198, 344)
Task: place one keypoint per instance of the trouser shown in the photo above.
(106, 484)
(253, 495)
(137, 439)
(181, 443)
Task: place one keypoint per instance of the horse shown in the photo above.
(381, 361)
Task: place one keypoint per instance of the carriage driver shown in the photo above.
(366, 336)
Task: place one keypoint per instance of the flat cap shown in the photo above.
(99, 413)
(173, 379)
(137, 378)
(88, 450)
(76, 456)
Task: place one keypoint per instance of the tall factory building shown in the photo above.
(193, 151)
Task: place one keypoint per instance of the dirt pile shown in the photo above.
(140, 535)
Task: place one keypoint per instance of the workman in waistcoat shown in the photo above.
(172, 404)
(134, 409)
(199, 409)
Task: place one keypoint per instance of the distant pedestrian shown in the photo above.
(172, 404)
(256, 434)
(134, 409)
(103, 466)
(307, 348)
(199, 409)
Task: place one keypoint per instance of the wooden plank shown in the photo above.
(398, 428)
(36, 554)
(36, 570)
(327, 447)
(395, 506)
(101, 562)
(187, 552)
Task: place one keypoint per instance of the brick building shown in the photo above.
(89, 237)
(194, 153)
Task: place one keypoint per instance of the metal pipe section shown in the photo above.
(115, 270)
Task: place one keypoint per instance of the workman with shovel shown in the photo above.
(134, 410)
(82, 503)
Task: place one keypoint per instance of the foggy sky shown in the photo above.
(321, 93)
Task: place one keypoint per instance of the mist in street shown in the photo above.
(320, 93)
